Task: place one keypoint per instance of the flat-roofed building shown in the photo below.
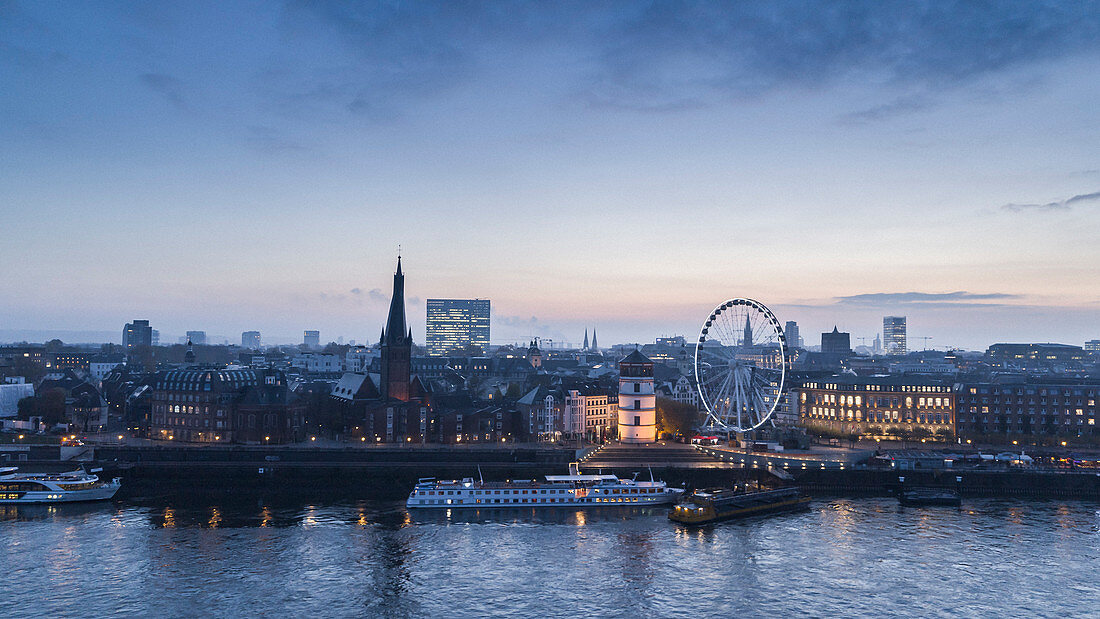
(311, 339)
(1023, 408)
(455, 324)
(250, 340)
(894, 337)
(878, 406)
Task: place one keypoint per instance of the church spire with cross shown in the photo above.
(396, 341)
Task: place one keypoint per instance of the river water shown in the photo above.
(845, 557)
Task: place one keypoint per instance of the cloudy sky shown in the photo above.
(628, 166)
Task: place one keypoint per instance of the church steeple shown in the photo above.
(189, 356)
(396, 327)
(585, 347)
(595, 346)
(396, 341)
(747, 341)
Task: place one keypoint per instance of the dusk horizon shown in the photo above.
(582, 165)
(566, 308)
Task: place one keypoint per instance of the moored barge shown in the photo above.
(714, 504)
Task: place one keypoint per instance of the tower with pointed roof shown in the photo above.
(637, 400)
(189, 356)
(585, 347)
(595, 346)
(534, 355)
(396, 344)
(747, 338)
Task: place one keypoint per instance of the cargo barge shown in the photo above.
(714, 504)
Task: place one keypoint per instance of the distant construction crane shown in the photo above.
(925, 339)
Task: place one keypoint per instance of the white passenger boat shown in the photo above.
(20, 488)
(572, 490)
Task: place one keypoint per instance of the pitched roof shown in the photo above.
(395, 323)
(635, 357)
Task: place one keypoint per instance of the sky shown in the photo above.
(624, 166)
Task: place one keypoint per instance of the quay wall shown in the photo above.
(390, 471)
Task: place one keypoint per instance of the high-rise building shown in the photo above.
(250, 339)
(312, 339)
(1092, 346)
(837, 342)
(893, 335)
(137, 333)
(790, 331)
(457, 323)
(198, 338)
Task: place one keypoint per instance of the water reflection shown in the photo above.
(377, 559)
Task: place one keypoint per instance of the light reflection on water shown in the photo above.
(844, 557)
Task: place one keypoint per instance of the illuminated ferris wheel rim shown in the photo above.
(763, 404)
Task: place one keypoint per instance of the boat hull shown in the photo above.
(464, 502)
(930, 502)
(103, 493)
(708, 516)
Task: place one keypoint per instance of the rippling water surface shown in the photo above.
(847, 557)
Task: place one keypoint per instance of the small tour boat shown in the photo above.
(20, 488)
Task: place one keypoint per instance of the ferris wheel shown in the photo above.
(740, 365)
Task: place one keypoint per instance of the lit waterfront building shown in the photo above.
(1029, 407)
(454, 324)
(878, 406)
(894, 335)
(227, 406)
(637, 400)
(250, 340)
(311, 339)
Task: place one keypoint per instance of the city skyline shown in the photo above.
(939, 164)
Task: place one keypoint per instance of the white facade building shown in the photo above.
(316, 362)
(684, 391)
(637, 400)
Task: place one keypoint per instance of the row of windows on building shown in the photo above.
(878, 416)
(886, 388)
(877, 402)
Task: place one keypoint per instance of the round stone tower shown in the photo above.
(637, 400)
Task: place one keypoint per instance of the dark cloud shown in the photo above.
(165, 85)
(664, 53)
(1059, 205)
(668, 56)
(356, 290)
(376, 294)
(878, 299)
